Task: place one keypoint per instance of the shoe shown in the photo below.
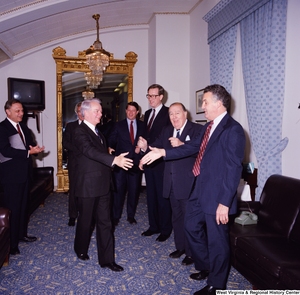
(113, 266)
(207, 290)
(131, 220)
(71, 222)
(28, 239)
(14, 251)
(162, 238)
(149, 233)
(203, 274)
(187, 260)
(176, 254)
(83, 257)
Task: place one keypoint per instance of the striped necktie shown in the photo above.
(151, 121)
(20, 133)
(196, 168)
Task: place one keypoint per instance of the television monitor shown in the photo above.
(31, 93)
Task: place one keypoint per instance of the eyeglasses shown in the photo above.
(152, 96)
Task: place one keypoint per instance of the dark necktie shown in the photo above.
(151, 121)
(21, 135)
(178, 133)
(196, 168)
(131, 132)
(98, 134)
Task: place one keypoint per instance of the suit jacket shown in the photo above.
(16, 170)
(162, 119)
(120, 141)
(178, 174)
(67, 142)
(221, 165)
(93, 163)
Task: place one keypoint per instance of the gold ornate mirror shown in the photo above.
(72, 69)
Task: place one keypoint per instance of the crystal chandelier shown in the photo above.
(96, 57)
(93, 81)
(88, 93)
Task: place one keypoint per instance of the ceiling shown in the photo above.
(29, 25)
(26, 25)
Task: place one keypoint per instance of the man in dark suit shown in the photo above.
(16, 148)
(107, 126)
(123, 138)
(93, 180)
(213, 197)
(159, 208)
(71, 148)
(178, 177)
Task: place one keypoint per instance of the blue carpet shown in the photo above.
(50, 266)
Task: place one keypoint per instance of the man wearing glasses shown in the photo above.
(159, 208)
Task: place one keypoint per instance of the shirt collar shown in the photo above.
(91, 126)
(12, 122)
(181, 129)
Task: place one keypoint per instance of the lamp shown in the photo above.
(96, 57)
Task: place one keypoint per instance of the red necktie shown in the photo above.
(196, 168)
(131, 132)
(21, 135)
(151, 121)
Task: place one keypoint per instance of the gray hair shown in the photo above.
(86, 104)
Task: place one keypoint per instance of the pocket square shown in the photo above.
(187, 138)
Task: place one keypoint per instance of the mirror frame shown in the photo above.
(66, 63)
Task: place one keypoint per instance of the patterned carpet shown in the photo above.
(50, 266)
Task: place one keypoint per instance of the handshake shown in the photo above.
(153, 155)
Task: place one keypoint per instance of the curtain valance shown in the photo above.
(227, 13)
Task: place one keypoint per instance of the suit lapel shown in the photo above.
(126, 130)
(185, 131)
(217, 132)
(98, 139)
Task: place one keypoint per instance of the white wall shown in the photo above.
(199, 54)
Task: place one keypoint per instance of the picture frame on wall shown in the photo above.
(199, 95)
(202, 122)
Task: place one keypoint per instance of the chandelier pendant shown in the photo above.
(96, 57)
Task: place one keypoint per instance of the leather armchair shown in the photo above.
(4, 236)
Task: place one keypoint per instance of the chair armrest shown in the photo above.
(4, 217)
(43, 171)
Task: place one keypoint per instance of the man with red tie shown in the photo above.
(16, 148)
(123, 138)
(213, 198)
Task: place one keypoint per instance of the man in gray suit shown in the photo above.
(93, 179)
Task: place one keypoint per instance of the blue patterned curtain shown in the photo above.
(222, 52)
(263, 39)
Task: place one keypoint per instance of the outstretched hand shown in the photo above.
(153, 155)
(123, 162)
